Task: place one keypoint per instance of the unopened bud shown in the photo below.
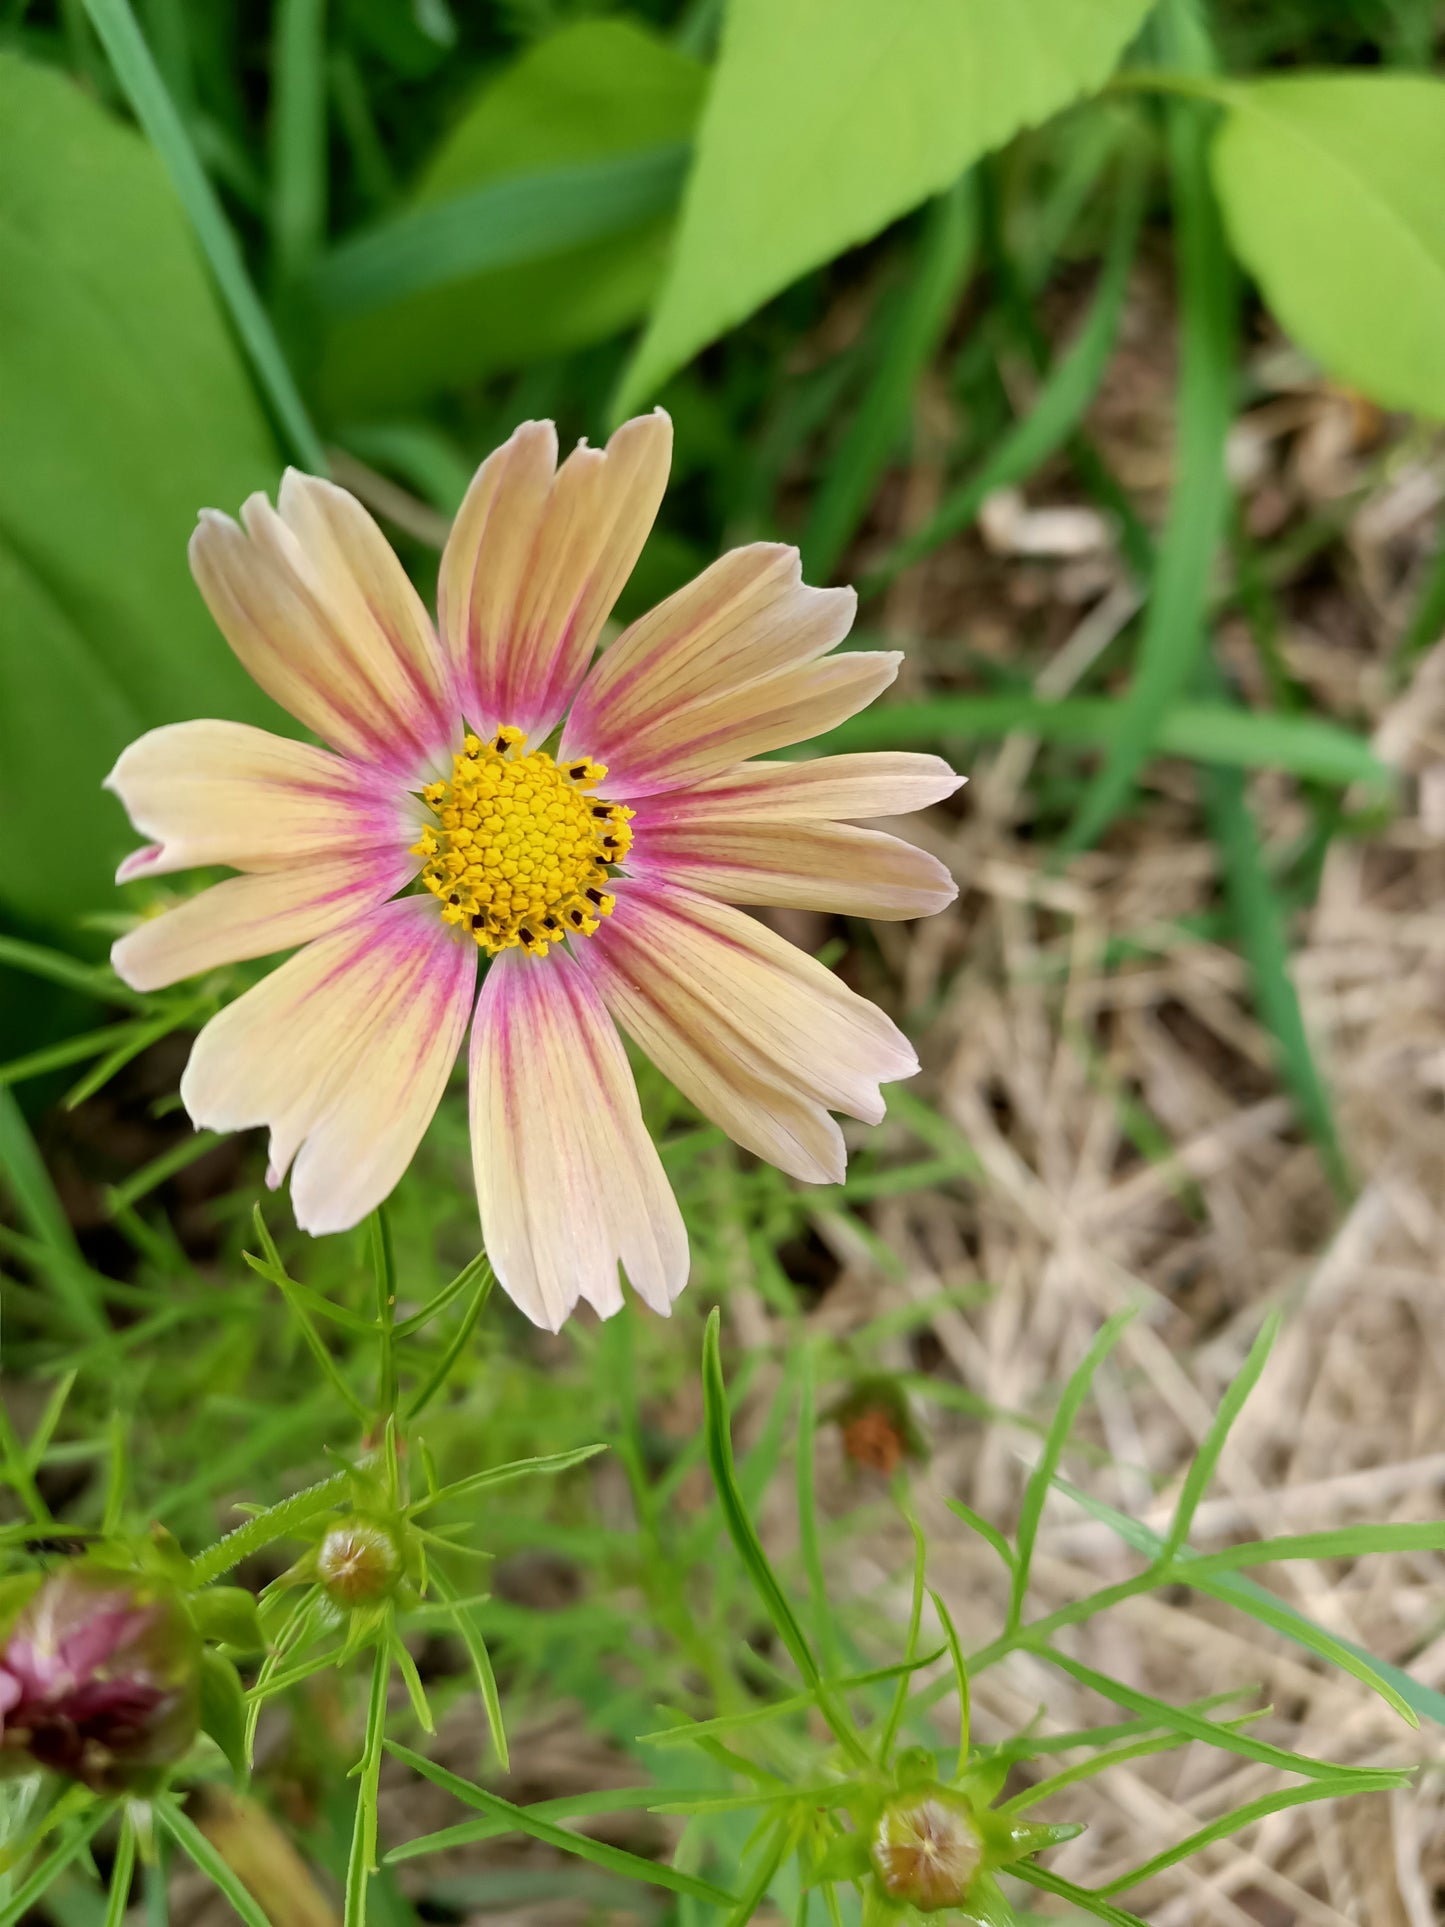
(878, 1427)
(358, 1564)
(99, 1678)
(927, 1848)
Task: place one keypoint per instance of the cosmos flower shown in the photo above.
(98, 1678)
(595, 874)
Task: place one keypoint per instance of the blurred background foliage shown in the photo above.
(848, 245)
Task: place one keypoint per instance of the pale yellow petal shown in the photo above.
(535, 561)
(317, 607)
(569, 1183)
(759, 1035)
(745, 619)
(811, 866)
(214, 792)
(700, 739)
(255, 916)
(848, 789)
(713, 1066)
(343, 1051)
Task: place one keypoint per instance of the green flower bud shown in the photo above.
(358, 1564)
(926, 1848)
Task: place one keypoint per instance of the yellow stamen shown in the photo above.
(521, 854)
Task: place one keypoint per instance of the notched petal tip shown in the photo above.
(141, 862)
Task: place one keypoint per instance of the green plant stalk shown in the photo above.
(361, 1861)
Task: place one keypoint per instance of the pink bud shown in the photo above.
(926, 1848)
(99, 1677)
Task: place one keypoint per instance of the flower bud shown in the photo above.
(878, 1427)
(927, 1848)
(99, 1678)
(358, 1564)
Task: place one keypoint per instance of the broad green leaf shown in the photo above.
(123, 410)
(1330, 185)
(601, 94)
(829, 118)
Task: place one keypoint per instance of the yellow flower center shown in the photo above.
(521, 852)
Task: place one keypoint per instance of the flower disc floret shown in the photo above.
(522, 851)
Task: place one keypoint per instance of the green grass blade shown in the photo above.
(749, 1547)
(1248, 1595)
(740, 1527)
(1308, 747)
(1246, 1816)
(812, 1557)
(143, 87)
(1340, 1542)
(199, 1851)
(54, 1057)
(527, 1820)
(944, 256)
(1259, 925)
(550, 1465)
(915, 1621)
(769, 1862)
(1427, 618)
(1057, 410)
(1316, 1640)
(1201, 1471)
(1091, 1903)
(960, 1675)
(120, 1197)
(990, 1534)
(25, 1177)
(486, 1278)
(54, 1864)
(1101, 1762)
(1180, 1720)
(298, 136)
(571, 1806)
(522, 218)
(481, 1663)
(1174, 623)
(1042, 1476)
(468, 1275)
(59, 967)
